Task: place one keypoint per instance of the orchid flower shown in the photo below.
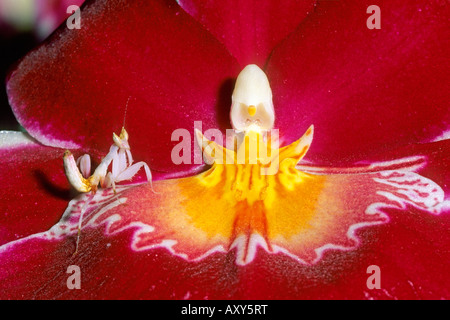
(362, 153)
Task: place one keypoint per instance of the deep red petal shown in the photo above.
(410, 251)
(34, 190)
(72, 91)
(249, 29)
(366, 91)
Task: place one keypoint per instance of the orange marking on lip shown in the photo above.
(308, 132)
(249, 219)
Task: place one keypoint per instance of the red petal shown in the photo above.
(34, 190)
(409, 251)
(249, 29)
(366, 91)
(72, 91)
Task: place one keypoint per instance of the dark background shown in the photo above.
(13, 46)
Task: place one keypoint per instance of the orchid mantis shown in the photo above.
(122, 168)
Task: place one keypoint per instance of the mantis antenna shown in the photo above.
(125, 113)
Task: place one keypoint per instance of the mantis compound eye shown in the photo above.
(122, 140)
